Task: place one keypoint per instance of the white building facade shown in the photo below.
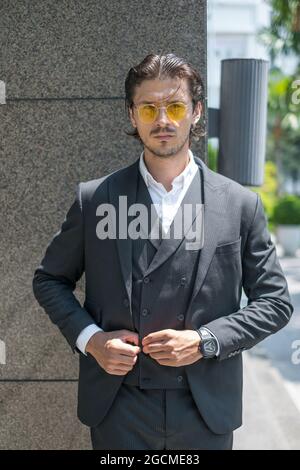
(233, 27)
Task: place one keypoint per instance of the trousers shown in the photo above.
(155, 419)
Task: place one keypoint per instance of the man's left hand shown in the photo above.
(172, 347)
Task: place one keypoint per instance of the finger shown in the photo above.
(118, 366)
(130, 336)
(166, 362)
(114, 371)
(127, 349)
(159, 336)
(154, 347)
(161, 355)
(126, 360)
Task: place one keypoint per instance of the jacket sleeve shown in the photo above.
(269, 306)
(55, 279)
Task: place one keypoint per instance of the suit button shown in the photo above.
(146, 280)
(180, 317)
(180, 378)
(145, 312)
(126, 302)
(183, 281)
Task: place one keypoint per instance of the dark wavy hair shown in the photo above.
(167, 66)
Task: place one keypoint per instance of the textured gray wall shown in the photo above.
(64, 64)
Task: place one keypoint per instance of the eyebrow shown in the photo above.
(172, 101)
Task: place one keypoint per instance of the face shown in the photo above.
(161, 93)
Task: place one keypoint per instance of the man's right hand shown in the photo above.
(113, 352)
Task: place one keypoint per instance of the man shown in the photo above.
(161, 332)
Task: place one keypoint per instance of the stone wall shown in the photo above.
(64, 65)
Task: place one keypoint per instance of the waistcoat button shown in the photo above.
(145, 312)
(180, 317)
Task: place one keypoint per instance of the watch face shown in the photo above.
(209, 347)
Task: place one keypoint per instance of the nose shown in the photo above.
(162, 117)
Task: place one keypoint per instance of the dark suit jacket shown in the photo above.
(237, 252)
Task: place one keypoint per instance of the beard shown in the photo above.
(168, 150)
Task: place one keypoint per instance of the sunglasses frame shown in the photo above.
(158, 108)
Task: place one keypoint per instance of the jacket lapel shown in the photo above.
(169, 245)
(124, 183)
(153, 220)
(216, 199)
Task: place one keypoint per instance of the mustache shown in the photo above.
(163, 131)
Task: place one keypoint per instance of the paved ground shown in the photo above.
(272, 381)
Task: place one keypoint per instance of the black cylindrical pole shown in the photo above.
(243, 119)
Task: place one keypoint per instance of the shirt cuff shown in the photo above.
(85, 336)
(214, 336)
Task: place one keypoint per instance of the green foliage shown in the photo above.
(283, 35)
(287, 210)
(212, 157)
(283, 139)
(268, 192)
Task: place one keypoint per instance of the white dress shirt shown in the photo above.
(166, 204)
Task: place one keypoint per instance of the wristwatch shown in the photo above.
(208, 343)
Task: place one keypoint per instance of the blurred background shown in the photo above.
(270, 30)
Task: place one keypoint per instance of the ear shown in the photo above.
(132, 119)
(197, 112)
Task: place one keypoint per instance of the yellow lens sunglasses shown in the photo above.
(148, 112)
